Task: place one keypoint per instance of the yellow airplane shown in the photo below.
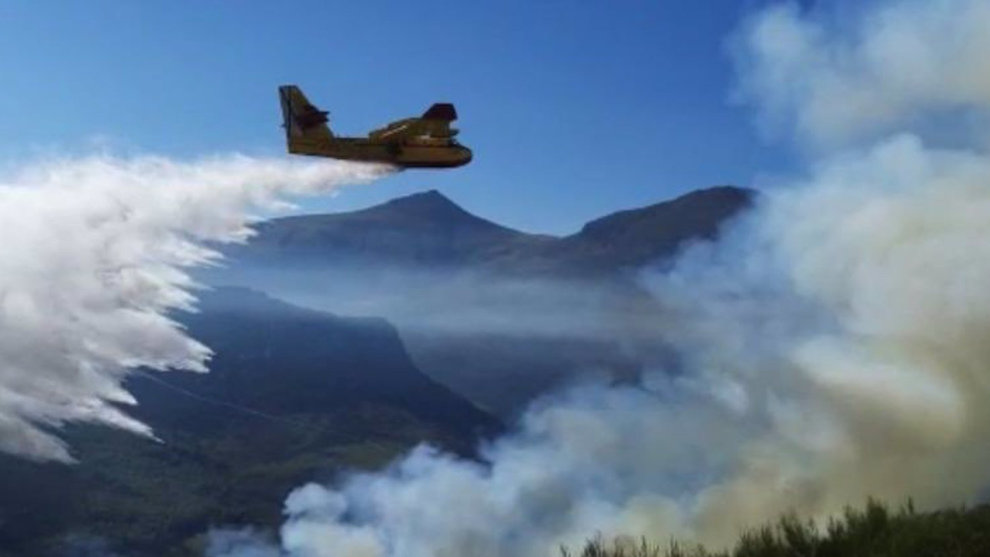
(424, 142)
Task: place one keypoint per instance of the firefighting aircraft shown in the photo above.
(424, 142)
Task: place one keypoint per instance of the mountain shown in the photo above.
(421, 229)
(293, 395)
(280, 359)
(636, 237)
(428, 229)
(498, 315)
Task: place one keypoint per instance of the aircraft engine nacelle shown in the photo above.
(437, 129)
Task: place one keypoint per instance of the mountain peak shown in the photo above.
(427, 197)
(427, 204)
(423, 209)
(424, 227)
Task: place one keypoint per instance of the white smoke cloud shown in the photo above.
(836, 348)
(835, 340)
(853, 317)
(883, 67)
(93, 259)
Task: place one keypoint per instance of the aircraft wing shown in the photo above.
(396, 131)
(435, 122)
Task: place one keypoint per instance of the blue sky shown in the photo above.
(574, 109)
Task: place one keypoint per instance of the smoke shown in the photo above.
(874, 69)
(849, 322)
(836, 347)
(834, 339)
(94, 259)
(448, 301)
(471, 329)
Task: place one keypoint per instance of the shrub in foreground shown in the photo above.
(874, 531)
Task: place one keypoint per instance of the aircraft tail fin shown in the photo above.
(300, 118)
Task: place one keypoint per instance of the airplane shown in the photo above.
(424, 142)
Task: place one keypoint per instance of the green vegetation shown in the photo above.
(875, 531)
(131, 496)
(293, 396)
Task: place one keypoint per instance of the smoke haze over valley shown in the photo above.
(499, 315)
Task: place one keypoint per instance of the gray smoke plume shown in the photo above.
(834, 341)
(93, 259)
(868, 70)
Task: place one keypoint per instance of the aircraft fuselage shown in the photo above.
(408, 155)
(426, 141)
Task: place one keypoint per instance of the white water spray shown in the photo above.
(93, 259)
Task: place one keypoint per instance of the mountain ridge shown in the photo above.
(421, 229)
(498, 315)
(428, 228)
